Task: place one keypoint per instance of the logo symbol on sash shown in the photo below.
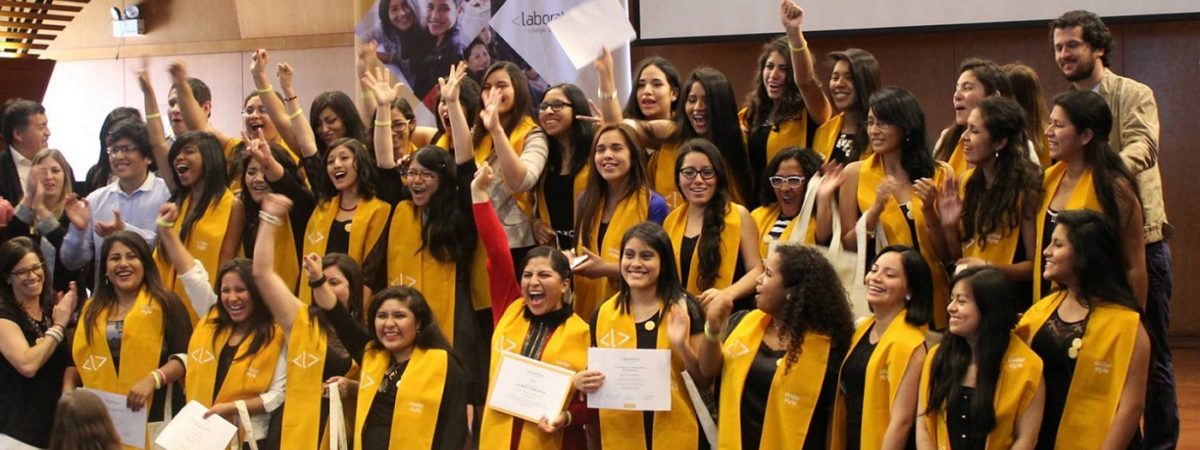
(403, 280)
(506, 345)
(305, 360)
(202, 356)
(613, 339)
(367, 381)
(736, 349)
(316, 237)
(94, 363)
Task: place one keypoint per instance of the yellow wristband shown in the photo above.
(799, 49)
(382, 123)
(296, 114)
(153, 116)
(266, 90)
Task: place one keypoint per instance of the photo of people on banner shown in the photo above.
(419, 40)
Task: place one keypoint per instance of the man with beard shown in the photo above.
(1083, 49)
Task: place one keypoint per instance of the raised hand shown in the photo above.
(167, 213)
(678, 325)
(791, 14)
(78, 211)
(484, 179)
(926, 190)
(378, 82)
(178, 71)
(257, 147)
(285, 74)
(449, 84)
(259, 61)
(604, 63)
(143, 77)
(490, 115)
(276, 204)
(106, 229)
(6, 212)
(832, 177)
(65, 306)
(313, 266)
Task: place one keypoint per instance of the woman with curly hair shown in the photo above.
(801, 328)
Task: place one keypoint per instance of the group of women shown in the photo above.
(389, 271)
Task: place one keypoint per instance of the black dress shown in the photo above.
(27, 404)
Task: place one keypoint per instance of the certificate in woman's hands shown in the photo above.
(634, 380)
(528, 388)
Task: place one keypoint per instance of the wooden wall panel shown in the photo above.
(261, 18)
(24, 78)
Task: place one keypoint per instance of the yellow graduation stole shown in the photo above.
(567, 348)
(204, 243)
(895, 227)
(1020, 376)
(366, 227)
(826, 137)
(418, 396)
(1082, 197)
(1001, 244)
(577, 185)
(1100, 370)
(731, 238)
(793, 396)
(246, 378)
(484, 151)
(287, 265)
(624, 429)
(410, 263)
(443, 141)
(306, 352)
(764, 217)
(141, 345)
(631, 210)
(885, 371)
(958, 161)
(792, 131)
(661, 169)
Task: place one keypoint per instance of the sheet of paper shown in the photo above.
(131, 426)
(702, 413)
(189, 430)
(634, 379)
(528, 388)
(9, 443)
(586, 30)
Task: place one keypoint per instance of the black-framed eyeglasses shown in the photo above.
(554, 105)
(27, 273)
(113, 150)
(789, 181)
(690, 173)
(423, 175)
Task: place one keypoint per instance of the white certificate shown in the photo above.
(528, 388)
(634, 379)
(131, 426)
(585, 30)
(9, 443)
(189, 430)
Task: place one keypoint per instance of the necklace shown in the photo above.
(352, 208)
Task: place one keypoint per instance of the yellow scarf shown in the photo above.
(885, 371)
(1020, 376)
(567, 347)
(764, 217)
(731, 238)
(307, 348)
(246, 377)
(1001, 246)
(1100, 370)
(141, 346)
(895, 227)
(791, 131)
(958, 160)
(485, 150)
(366, 227)
(418, 396)
(631, 210)
(793, 396)
(1082, 197)
(412, 264)
(661, 169)
(204, 243)
(624, 429)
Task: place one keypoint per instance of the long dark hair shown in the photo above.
(522, 102)
(1017, 189)
(920, 284)
(343, 107)
(864, 75)
(213, 178)
(447, 232)
(252, 207)
(900, 107)
(815, 301)
(996, 298)
(105, 295)
(1087, 110)
(759, 106)
(723, 129)
(1027, 91)
(364, 168)
(709, 246)
(11, 254)
(99, 174)
(429, 335)
(810, 163)
(591, 203)
(385, 22)
(581, 133)
(261, 325)
(993, 79)
(1099, 264)
(469, 94)
(670, 290)
(632, 110)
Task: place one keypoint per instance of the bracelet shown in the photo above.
(153, 116)
(799, 49)
(157, 379)
(288, 99)
(164, 224)
(270, 218)
(55, 334)
(296, 114)
(710, 335)
(317, 282)
(612, 95)
(382, 123)
(162, 375)
(266, 90)
(568, 413)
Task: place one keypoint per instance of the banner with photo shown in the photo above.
(419, 40)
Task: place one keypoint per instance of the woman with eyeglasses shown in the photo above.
(715, 237)
(32, 327)
(565, 176)
(41, 215)
(785, 182)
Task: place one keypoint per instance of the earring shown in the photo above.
(908, 297)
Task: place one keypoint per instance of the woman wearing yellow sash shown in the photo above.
(881, 188)
(1089, 175)
(715, 237)
(1089, 335)
(877, 391)
(767, 358)
(785, 182)
(129, 329)
(854, 79)
(268, 170)
(565, 178)
(211, 217)
(617, 197)
(317, 356)
(977, 79)
(234, 351)
(982, 386)
(650, 311)
(991, 219)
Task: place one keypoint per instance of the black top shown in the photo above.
(687, 249)
(1053, 342)
(541, 328)
(843, 149)
(27, 404)
(603, 230)
(1047, 236)
(967, 432)
(560, 203)
(339, 237)
(224, 360)
(853, 386)
(756, 153)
